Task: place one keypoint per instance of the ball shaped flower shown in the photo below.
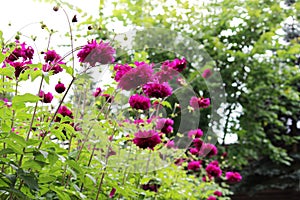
(136, 76)
(208, 149)
(194, 165)
(94, 52)
(45, 98)
(197, 103)
(146, 139)
(165, 125)
(213, 170)
(195, 133)
(233, 177)
(157, 90)
(177, 64)
(139, 102)
(218, 193)
(121, 70)
(60, 87)
(206, 73)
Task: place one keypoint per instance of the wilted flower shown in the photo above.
(195, 133)
(46, 98)
(94, 52)
(146, 139)
(157, 90)
(194, 165)
(97, 92)
(60, 87)
(233, 177)
(197, 103)
(139, 102)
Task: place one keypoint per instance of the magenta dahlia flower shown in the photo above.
(94, 52)
(211, 198)
(121, 70)
(233, 177)
(197, 103)
(165, 125)
(20, 67)
(146, 139)
(208, 149)
(197, 143)
(195, 133)
(64, 111)
(51, 56)
(194, 151)
(177, 64)
(60, 87)
(218, 193)
(194, 165)
(165, 74)
(21, 51)
(97, 92)
(135, 77)
(139, 102)
(157, 90)
(206, 73)
(45, 98)
(213, 170)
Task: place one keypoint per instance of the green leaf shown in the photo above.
(25, 98)
(34, 164)
(29, 179)
(35, 74)
(8, 71)
(2, 57)
(69, 70)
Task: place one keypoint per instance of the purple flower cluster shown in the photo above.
(233, 177)
(94, 52)
(194, 165)
(53, 62)
(195, 133)
(45, 97)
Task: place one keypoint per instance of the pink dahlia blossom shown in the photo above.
(233, 177)
(218, 193)
(195, 133)
(170, 144)
(194, 165)
(177, 64)
(197, 143)
(121, 70)
(208, 149)
(97, 92)
(94, 52)
(165, 125)
(213, 170)
(46, 98)
(194, 151)
(165, 74)
(136, 76)
(51, 56)
(157, 90)
(139, 102)
(206, 73)
(60, 87)
(211, 198)
(146, 139)
(197, 103)
(64, 111)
